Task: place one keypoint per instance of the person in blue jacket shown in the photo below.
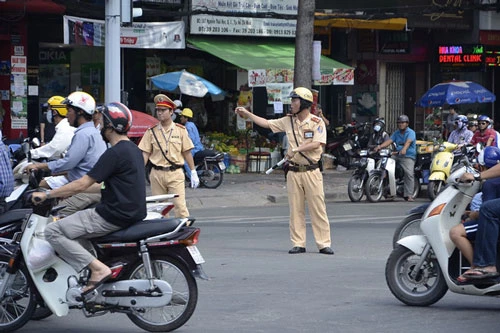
(185, 118)
(405, 141)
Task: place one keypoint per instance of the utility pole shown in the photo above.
(304, 44)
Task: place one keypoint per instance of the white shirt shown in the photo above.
(59, 143)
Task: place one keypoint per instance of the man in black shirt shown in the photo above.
(119, 176)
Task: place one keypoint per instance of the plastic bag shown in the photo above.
(41, 254)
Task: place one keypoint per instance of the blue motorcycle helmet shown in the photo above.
(461, 121)
(489, 156)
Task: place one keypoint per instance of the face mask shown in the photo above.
(50, 117)
(377, 128)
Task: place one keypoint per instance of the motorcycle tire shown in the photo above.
(434, 188)
(212, 176)
(18, 302)
(184, 296)
(428, 287)
(355, 188)
(409, 226)
(373, 188)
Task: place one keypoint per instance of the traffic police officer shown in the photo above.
(306, 137)
(168, 146)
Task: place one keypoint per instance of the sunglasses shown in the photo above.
(483, 123)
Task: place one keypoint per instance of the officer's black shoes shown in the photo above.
(298, 249)
(326, 250)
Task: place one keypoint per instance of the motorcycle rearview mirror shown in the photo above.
(35, 142)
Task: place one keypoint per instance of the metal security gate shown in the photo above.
(395, 95)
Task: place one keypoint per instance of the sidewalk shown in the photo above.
(258, 189)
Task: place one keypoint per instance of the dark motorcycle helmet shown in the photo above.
(379, 125)
(484, 118)
(403, 119)
(117, 116)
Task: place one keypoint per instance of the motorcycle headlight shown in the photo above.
(385, 152)
(363, 152)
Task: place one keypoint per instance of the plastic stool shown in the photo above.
(259, 157)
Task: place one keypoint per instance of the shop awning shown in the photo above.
(324, 20)
(257, 54)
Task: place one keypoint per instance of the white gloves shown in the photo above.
(195, 181)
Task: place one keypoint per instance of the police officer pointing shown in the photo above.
(306, 136)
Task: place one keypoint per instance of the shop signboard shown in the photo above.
(461, 58)
(140, 35)
(234, 25)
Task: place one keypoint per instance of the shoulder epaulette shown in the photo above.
(316, 119)
(180, 125)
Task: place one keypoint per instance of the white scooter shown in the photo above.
(154, 264)
(421, 268)
(387, 179)
(363, 167)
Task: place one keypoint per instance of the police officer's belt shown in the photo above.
(302, 168)
(168, 168)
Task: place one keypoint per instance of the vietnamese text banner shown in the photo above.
(151, 35)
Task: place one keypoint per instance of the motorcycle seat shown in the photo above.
(14, 215)
(140, 230)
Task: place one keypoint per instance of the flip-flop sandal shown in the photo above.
(95, 284)
(483, 274)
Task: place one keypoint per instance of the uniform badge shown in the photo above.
(308, 134)
(320, 129)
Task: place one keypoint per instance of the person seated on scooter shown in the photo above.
(472, 126)
(463, 234)
(406, 147)
(460, 135)
(86, 146)
(487, 234)
(485, 135)
(6, 176)
(185, 118)
(379, 134)
(56, 113)
(120, 177)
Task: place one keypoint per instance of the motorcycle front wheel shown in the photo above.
(212, 176)
(374, 188)
(184, 296)
(18, 303)
(426, 288)
(434, 188)
(409, 226)
(355, 187)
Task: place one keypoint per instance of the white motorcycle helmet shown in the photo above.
(81, 100)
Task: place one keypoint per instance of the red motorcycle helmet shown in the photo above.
(117, 116)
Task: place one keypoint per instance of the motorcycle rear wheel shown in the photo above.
(18, 302)
(212, 176)
(410, 225)
(355, 188)
(373, 188)
(184, 296)
(425, 289)
(434, 188)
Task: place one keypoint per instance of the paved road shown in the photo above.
(255, 286)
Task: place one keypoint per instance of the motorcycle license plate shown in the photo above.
(347, 146)
(195, 254)
(222, 166)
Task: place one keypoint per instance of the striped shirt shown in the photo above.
(6, 174)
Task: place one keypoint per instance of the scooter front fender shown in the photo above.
(438, 175)
(415, 243)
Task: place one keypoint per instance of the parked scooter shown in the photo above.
(210, 167)
(386, 180)
(345, 145)
(421, 268)
(154, 265)
(363, 166)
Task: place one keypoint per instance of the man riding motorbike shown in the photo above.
(379, 134)
(84, 151)
(119, 176)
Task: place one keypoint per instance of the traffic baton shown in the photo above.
(280, 163)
